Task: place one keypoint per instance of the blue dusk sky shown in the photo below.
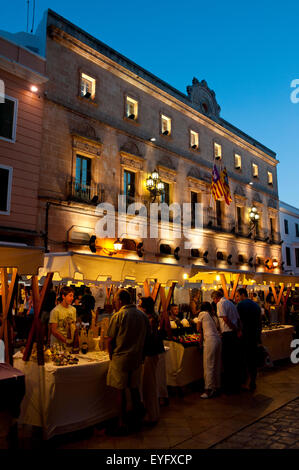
(246, 51)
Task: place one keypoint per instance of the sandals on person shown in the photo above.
(209, 394)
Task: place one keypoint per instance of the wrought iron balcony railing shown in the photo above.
(85, 193)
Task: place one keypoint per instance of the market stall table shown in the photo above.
(184, 365)
(278, 341)
(63, 399)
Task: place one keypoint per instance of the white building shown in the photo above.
(289, 229)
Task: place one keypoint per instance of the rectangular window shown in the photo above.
(297, 230)
(270, 178)
(297, 257)
(286, 226)
(194, 141)
(240, 212)
(8, 119)
(83, 171)
(194, 201)
(217, 151)
(272, 227)
(238, 161)
(129, 186)
(255, 170)
(131, 108)
(87, 87)
(288, 256)
(5, 188)
(165, 195)
(165, 125)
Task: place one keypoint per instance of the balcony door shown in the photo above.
(83, 176)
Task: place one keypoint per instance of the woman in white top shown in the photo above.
(210, 336)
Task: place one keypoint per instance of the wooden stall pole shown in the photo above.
(285, 300)
(146, 288)
(272, 287)
(155, 291)
(151, 293)
(236, 282)
(223, 283)
(164, 320)
(36, 332)
(8, 295)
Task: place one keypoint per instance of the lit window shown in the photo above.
(165, 125)
(238, 161)
(129, 187)
(5, 189)
(131, 108)
(270, 177)
(194, 140)
(255, 170)
(165, 195)
(8, 119)
(87, 87)
(217, 151)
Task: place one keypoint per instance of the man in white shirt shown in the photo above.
(230, 327)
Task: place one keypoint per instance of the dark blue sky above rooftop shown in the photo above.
(246, 51)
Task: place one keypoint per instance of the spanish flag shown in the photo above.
(225, 185)
(217, 188)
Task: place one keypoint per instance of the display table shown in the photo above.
(63, 399)
(278, 342)
(66, 398)
(183, 365)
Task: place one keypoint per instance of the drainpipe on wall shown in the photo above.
(47, 227)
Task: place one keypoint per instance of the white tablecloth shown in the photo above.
(68, 398)
(183, 365)
(278, 342)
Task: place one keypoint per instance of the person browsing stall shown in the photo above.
(229, 322)
(128, 334)
(61, 316)
(207, 328)
(251, 321)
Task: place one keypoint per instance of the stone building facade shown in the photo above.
(108, 124)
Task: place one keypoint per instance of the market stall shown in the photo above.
(15, 260)
(184, 365)
(278, 340)
(62, 399)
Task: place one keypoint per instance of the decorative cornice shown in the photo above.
(167, 174)
(197, 184)
(131, 161)
(86, 145)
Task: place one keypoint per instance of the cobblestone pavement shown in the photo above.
(278, 430)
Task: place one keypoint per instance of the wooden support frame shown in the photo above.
(151, 293)
(233, 292)
(36, 332)
(164, 303)
(8, 296)
(277, 299)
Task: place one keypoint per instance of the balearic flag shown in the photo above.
(225, 185)
(217, 189)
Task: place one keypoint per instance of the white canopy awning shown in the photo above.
(26, 259)
(80, 266)
(207, 275)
